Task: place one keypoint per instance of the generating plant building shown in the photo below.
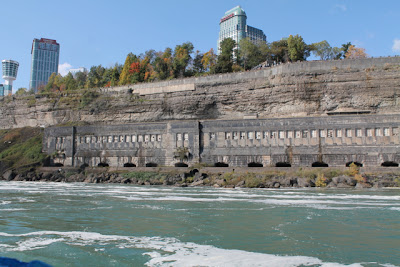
(45, 58)
(234, 25)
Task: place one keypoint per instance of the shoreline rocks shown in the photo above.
(196, 178)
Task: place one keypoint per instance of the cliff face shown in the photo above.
(298, 89)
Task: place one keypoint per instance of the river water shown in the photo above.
(121, 225)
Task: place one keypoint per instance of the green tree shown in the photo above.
(251, 54)
(324, 51)
(80, 78)
(298, 49)
(69, 82)
(181, 58)
(21, 91)
(280, 51)
(197, 63)
(95, 77)
(54, 83)
(163, 64)
(225, 58)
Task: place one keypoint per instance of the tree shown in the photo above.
(356, 52)
(298, 49)
(197, 63)
(69, 82)
(251, 54)
(54, 83)
(163, 64)
(182, 58)
(225, 58)
(80, 78)
(324, 51)
(125, 76)
(95, 77)
(209, 60)
(279, 51)
(345, 48)
(21, 91)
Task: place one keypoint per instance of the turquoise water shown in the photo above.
(114, 225)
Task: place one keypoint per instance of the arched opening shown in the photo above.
(390, 164)
(255, 164)
(129, 164)
(358, 164)
(103, 164)
(151, 164)
(319, 164)
(283, 164)
(58, 164)
(181, 164)
(221, 164)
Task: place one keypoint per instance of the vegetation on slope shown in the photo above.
(21, 148)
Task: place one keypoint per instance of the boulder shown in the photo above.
(363, 185)
(9, 175)
(197, 183)
(303, 182)
(240, 184)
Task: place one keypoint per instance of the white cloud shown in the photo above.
(64, 68)
(341, 7)
(396, 45)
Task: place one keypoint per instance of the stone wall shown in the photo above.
(369, 140)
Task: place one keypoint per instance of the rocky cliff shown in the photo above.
(297, 89)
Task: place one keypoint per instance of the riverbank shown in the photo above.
(352, 177)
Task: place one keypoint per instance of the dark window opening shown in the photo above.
(181, 164)
(283, 164)
(358, 164)
(151, 164)
(319, 164)
(103, 164)
(390, 164)
(255, 164)
(128, 164)
(58, 164)
(221, 164)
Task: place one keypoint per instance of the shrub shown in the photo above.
(321, 180)
(353, 169)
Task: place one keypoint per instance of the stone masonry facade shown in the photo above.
(338, 140)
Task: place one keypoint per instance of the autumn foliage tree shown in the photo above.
(356, 52)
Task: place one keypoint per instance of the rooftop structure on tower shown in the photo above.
(234, 25)
(10, 71)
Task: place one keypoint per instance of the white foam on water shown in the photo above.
(35, 243)
(3, 202)
(13, 209)
(164, 251)
(395, 208)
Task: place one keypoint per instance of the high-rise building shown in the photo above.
(10, 71)
(45, 57)
(234, 25)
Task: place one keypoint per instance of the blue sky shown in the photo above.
(104, 32)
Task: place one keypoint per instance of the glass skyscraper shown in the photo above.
(234, 25)
(10, 71)
(45, 57)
